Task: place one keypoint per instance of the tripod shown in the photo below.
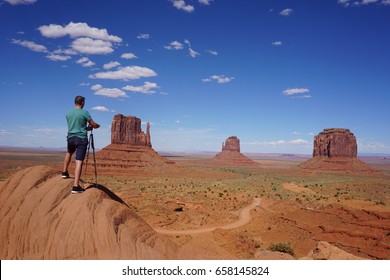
(91, 144)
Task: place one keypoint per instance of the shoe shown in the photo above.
(77, 189)
(65, 175)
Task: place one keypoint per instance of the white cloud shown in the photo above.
(20, 2)
(31, 45)
(85, 62)
(181, 5)
(277, 43)
(84, 84)
(92, 46)
(125, 73)
(279, 142)
(220, 79)
(100, 108)
(175, 45)
(292, 91)
(354, 3)
(212, 52)
(193, 53)
(143, 36)
(75, 30)
(111, 92)
(128, 56)
(286, 12)
(205, 2)
(5, 132)
(146, 88)
(96, 87)
(66, 51)
(111, 64)
(58, 57)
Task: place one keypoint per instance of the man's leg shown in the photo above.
(77, 175)
(67, 159)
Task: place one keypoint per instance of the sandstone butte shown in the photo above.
(130, 148)
(231, 155)
(335, 149)
(41, 219)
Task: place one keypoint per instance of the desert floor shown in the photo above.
(230, 212)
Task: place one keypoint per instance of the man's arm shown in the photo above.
(92, 124)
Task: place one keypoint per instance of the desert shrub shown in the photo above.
(282, 247)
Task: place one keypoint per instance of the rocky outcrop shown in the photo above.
(41, 219)
(130, 149)
(231, 144)
(335, 142)
(127, 130)
(230, 154)
(335, 149)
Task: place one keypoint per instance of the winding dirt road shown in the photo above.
(244, 217)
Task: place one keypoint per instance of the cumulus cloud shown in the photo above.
(20, 2)
(354, 3)
(31, 45)
(92, 46)
(277, 43)
(100, 108)
(205, 2)
(75, 30)
(220, 79)
(96, 87)
(143, 36)
(279, 142)
(286, 12)
(111, 92)
(293, 91)
(175, 45)
(85, 62)
(125, 73)
(212, 52)
(181, 5)
(146, 88)
(128, 56)
(111, 64)
(58, 57)
(191, 52)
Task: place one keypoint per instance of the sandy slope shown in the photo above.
(41, 219)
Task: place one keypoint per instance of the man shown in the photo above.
(77, 120)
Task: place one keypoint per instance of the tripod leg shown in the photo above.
(86, 163)
(94, 158)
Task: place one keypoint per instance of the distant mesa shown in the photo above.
(41, 219)
(335, 142)
(231, 155)
(335, 149)
(127, 130)
(130, 148)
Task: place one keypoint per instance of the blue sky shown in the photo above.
(273, 73)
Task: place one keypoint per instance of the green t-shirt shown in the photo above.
(77, 121)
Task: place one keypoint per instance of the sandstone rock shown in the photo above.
(130, 149)
(231, 144)
(335, 149)
(127, 130)
(335, 142)
(41, 219)
(327, 251)
(230, 154)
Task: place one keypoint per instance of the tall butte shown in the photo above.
(231, 155)
(335, 149)
(130, 148)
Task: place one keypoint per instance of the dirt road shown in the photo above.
(244, 217)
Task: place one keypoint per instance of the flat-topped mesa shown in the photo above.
(127, 130)
(231, 144)
(335, 142)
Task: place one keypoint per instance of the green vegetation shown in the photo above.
(282, 247)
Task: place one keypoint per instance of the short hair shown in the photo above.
(79, 100)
